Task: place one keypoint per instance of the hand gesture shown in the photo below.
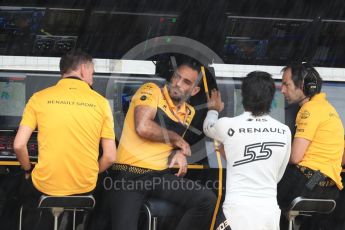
(179, 159)
(215, 101)
(183, 147)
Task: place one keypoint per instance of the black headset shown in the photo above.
(310, 85)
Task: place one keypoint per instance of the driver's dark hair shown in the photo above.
(257, 92)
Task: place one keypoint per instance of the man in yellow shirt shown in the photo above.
(318, 144)
(153, 132)
(72, 120)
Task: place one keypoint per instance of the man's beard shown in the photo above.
(176, 98)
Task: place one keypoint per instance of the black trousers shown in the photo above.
(292, 185)
(32, 218)
(38, 219)
(131, 189)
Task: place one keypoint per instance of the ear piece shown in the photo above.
(310, 86)
(310, 89)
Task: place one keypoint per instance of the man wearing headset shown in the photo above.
(318, 144)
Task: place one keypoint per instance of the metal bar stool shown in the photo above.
(58, 204)
(305, 206)
(154, 208)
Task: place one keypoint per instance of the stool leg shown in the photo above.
(149, 217)
(291, 222)
(56, 222)
(154, 225)
(20, 217)
(74, 212)
(56, 213)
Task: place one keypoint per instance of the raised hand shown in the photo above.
(214, 102)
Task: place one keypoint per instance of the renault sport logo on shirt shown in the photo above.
(71, 103)
(305, 114)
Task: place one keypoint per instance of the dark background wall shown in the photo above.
(244, 32)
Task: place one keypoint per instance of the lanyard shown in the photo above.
(171, 106)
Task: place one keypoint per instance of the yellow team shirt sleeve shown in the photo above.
(108, 124)
(147, 94)
(29, 115)
(307, 122)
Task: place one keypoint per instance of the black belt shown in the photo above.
(307, 172)
(130, 169)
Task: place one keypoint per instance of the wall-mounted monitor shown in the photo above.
(18, 27)
(245, 48)
(12, 99)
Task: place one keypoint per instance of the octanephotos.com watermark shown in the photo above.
(157, 183)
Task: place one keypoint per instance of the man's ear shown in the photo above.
(82, 70)
(195, 90)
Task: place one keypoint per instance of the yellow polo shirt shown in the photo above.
(136, 151)
(319, 122)
(71, 119)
